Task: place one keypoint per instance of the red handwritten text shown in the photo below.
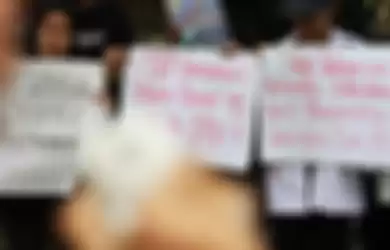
(152, 95)
(283, 139)
(236, 104)
(316, 110)
(213, 72)
(340, 67)
(302, 66)
(290, 87)
(207, 130)
(281, 111)
(194, 98)
(369, 90)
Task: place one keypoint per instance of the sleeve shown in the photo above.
(119, 30)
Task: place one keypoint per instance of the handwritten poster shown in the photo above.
(46, 114)
(200, 21)
(52, 96)
(331, 105)
(206, 98)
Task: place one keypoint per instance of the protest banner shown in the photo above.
(327, 104)
(205, 97)
(46, 111)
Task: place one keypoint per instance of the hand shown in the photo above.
(193, 210)
(79, 223)
(198, 210)
(115, 57)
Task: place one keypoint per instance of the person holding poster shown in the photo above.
(23, 212)
(312, 203)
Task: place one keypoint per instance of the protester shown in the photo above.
(144, 192)
(312, 203)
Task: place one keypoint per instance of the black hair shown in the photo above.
(43, 14)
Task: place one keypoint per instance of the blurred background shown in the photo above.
(247, 20)
(103, 29)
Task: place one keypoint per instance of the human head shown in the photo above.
(312, 19)
(54, 34)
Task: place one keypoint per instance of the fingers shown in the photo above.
(114, 58)
(80, 224)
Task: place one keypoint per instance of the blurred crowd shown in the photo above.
(350, 215)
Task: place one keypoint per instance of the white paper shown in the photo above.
(46, 109)
(327, 105)
(50, 97)
(206, 98)
(333, 190)
(338, 191)
(285, 188)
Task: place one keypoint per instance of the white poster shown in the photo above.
(205, 97)
(50, 97)
(327, 104)
(47, 107)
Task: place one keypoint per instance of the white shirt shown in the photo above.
(335, 191)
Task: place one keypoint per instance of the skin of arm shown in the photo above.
(194, 209)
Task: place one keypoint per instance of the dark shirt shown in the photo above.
(98, 27)
(254, 21)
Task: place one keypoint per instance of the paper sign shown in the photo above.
(48, 104)
(331, 105)
(205, 97)
(50, 97)
(200, 21)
